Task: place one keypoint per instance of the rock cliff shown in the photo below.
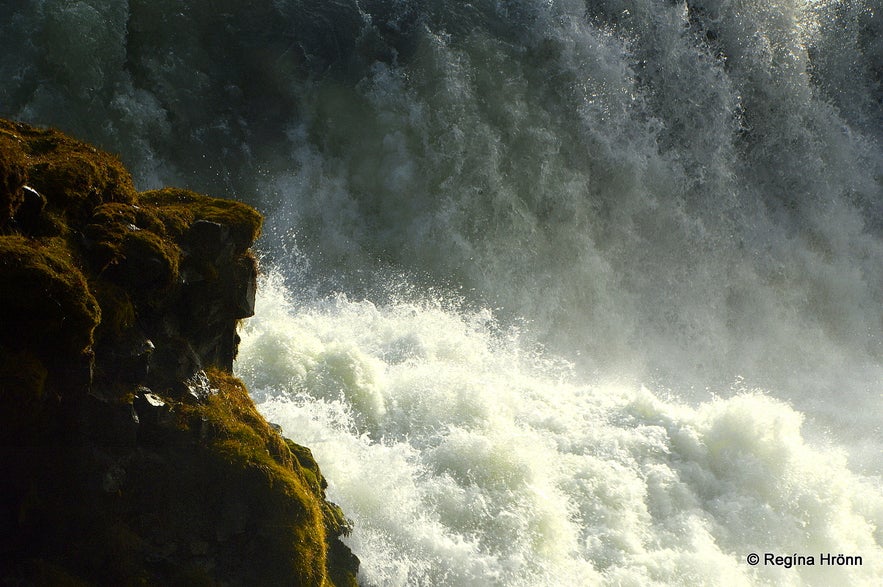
(130, 454)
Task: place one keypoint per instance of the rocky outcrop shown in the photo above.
(130, 454)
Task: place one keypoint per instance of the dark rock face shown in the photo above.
(130, 453)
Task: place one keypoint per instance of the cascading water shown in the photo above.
(558, 292)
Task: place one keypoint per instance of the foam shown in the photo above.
(484, 468)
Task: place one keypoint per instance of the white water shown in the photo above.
(463, 462)
(558, 292)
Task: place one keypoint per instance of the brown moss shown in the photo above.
(73, 176)
(104, 292)
(240, 438)
(13, 171)
(45, 302)
(179, 209)
(128, 245)
(117, 310)
(117, 213)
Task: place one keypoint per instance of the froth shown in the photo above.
(472, 466)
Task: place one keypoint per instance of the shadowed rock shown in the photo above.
(130, 453)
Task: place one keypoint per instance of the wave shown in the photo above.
(464, 461)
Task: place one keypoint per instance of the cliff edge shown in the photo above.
(130, 454)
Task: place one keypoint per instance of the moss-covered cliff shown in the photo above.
(130, 454)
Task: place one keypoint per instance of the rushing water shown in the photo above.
(558, 292)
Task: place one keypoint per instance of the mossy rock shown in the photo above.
(13, 172)
(45, 302)
(117, 310)
(179, 209)
(110, 300)
(128, 245)
(243, 448)
(75, 177)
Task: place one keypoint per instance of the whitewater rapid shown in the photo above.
(464, 461)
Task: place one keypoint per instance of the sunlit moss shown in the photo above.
(335, 521)
(240, 438)
(179, 208)
(74, 176)
(128, 245)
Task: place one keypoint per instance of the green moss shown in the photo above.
(240, 431)
(309, 466)
(336, 523)
(128, 245)
(13, 166)
(240, 439)
(74, 176)
(44, 302)
(117, 310)
(178, 209)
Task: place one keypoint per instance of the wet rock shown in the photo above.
(245, 285)
(128, 359)
(199, 387)
(209, 241)
(130, 452)
(152, 411)
(27, 216)
(180, 362)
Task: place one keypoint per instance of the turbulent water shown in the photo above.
(558, 292)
